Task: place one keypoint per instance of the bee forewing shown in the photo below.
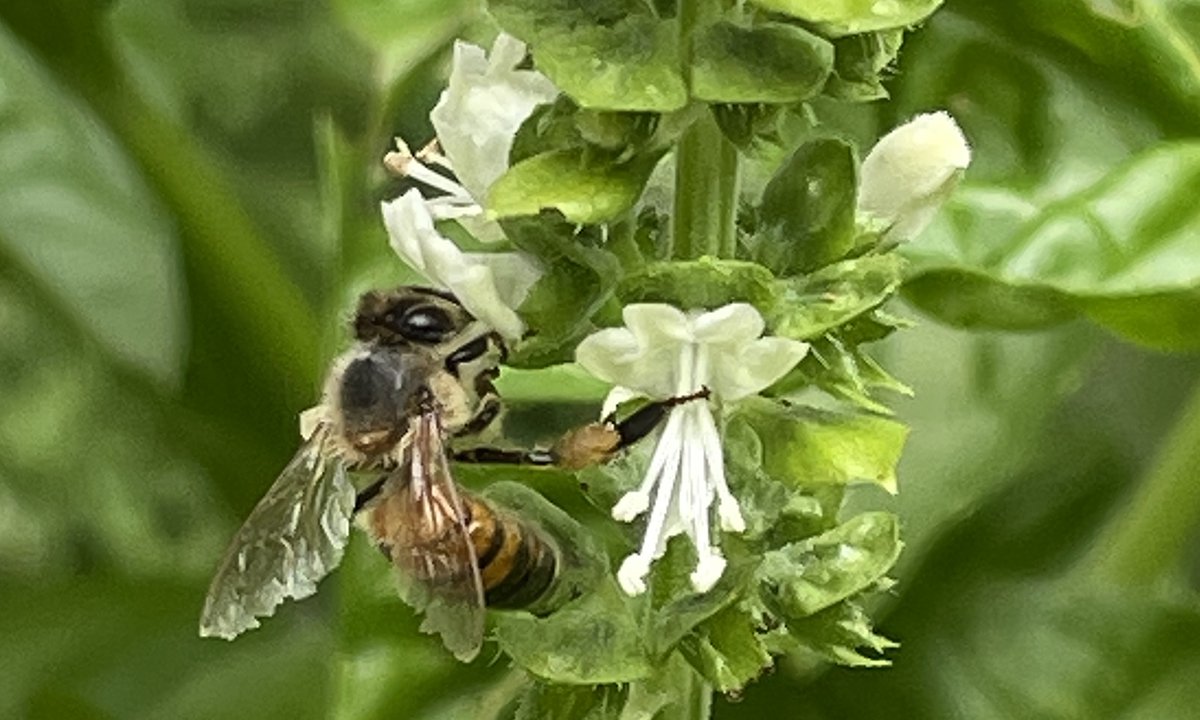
(294, 537)
(420, 519)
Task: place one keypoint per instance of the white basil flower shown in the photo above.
(489, 285)
(910, 172)
(475, 119)
(663, 352)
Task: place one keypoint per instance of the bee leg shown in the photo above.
(500, 456)
(643, 421)
(589, 445)
(368, 494)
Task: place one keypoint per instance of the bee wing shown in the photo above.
(294, 537)
(430, 543)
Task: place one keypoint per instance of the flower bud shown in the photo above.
(910, 172)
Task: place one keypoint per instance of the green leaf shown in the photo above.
(609, 55)
(809, 306)
(726, 650)
(584, 191)
(804, 578)
(1101, 252)
(705, 283)
(842, 635)
(77, 218)
(845, 17)
(767, 63)
(595, 639)
(579, 280)
(571, 702)
(807, 211)
(805, 446)
(860, 62)
(675, 619)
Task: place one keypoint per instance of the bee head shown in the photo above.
(409, 316)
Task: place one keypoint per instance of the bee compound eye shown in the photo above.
(425, 323)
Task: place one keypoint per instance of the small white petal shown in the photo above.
(615, 398)
(910, 172)
(654, 323)
(708, 571)
(482, 107)
(615, 355)
(514, 273)
(752, 367)
(631, 505)
(632, 574)
(734, 323)
(474, 279)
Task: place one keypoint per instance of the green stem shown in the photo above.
(706, 169)
(699, 699)
(1146, 540)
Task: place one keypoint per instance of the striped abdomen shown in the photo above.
(516, 564)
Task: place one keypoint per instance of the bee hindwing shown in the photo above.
(294, 537)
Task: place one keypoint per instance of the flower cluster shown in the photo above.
(662, 351)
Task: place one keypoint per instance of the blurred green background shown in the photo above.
(188, 205)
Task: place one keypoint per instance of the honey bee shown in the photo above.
(419, 374)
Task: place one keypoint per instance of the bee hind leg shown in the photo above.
(589, 445)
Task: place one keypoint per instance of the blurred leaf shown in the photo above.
(402, 32)
(807, 212)
(806, 446)
(126, 650)
(584, 192)
(612, 55)
(77, 217)
(1125, 238)
(766, 63)
(1147, 44)
(844, 17)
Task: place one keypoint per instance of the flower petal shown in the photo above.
(482, 107)
(731, 324)
(910, 172)
(657, 323)
(615, 355)
(615, 398)
(472, 279)
(753, 367)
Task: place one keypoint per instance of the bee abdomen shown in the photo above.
(516, 564)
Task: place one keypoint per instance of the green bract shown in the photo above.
(767, 63)
(845, 17)
(806, 218)
(610, 55)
